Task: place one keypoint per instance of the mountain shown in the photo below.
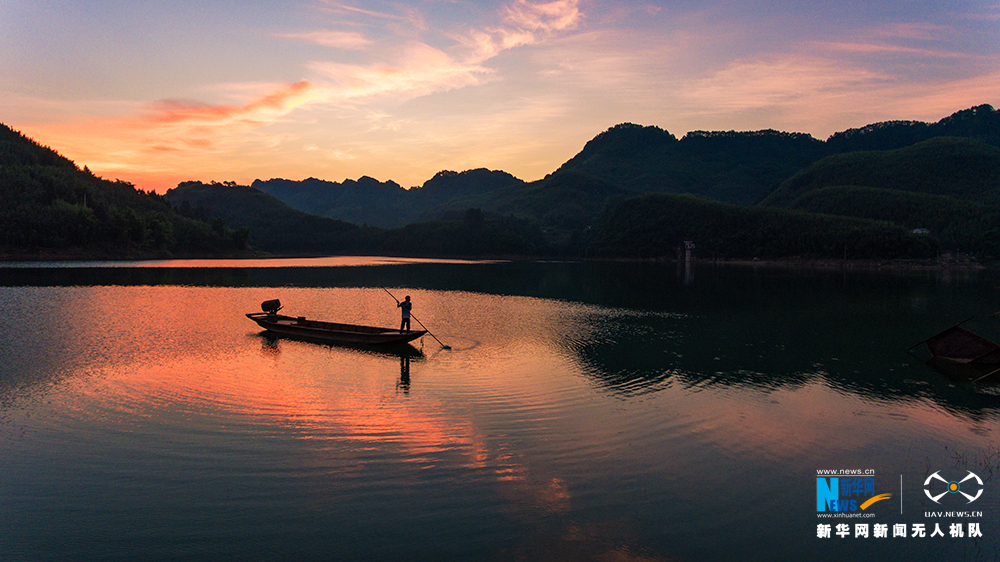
(55, 209)
(563, 200)
(965, 169)
(365, 201)
(981, 123)
(277, 228)
(729, 166)
(370, 202)
(947, 186)
(733, 167)
(652, 226)
(942, 177)
(955, 223)
(273, 226)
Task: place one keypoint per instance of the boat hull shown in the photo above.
(333, 332)
(963, 355)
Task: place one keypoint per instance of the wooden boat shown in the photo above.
(957, 351)
(331, 332)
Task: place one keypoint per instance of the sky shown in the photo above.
(155, 93)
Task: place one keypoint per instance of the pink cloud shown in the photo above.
(419, 69)
(347, 40)
(176, 111)
(550, 16)
(897, 49)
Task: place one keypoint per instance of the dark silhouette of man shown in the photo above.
(406, 305)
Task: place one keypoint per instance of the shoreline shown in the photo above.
(790, 263)
(858, 265)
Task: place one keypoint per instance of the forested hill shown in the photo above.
(735, 194)
(733, 167)
(273, 226)
(980, 123)
(54, 209)
(728, 166)
(386, 204)
(277, 228)
(964, 169)
(949, 187)
(744, 167)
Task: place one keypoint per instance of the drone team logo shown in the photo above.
(937, 487)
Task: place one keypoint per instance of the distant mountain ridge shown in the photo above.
(637, 192)
(277, 228)
(385, 204)
(632, 192)
(728, 166)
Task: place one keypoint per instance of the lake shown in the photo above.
(584, 411)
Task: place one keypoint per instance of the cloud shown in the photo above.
(755, 83)
(149, 145)
(559, 15)
(921, 31)
(410, 16)
(822, 96)
(346, 40)
(871, 48)
(263, 109)
(418, 70)
(339, 7)
(527, 23)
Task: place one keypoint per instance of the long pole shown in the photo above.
(443, 346)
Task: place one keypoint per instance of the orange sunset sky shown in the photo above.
(156, 92)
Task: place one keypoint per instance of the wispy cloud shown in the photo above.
(757, 83)
(259, 110)
(417, 70)
(403, 90)
(524, 23)
(405, 14)
(822, 96)
(550, 16)
(347, 40)
(340, 7)
(913, 30)
(893, 49)
(398, 67)
(148, 146)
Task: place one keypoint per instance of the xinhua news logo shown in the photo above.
(846, 494)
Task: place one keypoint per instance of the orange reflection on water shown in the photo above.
(188, 356)
(359, 406)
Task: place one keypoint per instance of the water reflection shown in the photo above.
(405, 352)
(390, 350)
(761, 327)
(633, 353)
(404, 374)
(585, 411)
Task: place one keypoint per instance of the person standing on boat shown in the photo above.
(406, 305)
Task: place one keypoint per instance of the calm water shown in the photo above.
(583, 412)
